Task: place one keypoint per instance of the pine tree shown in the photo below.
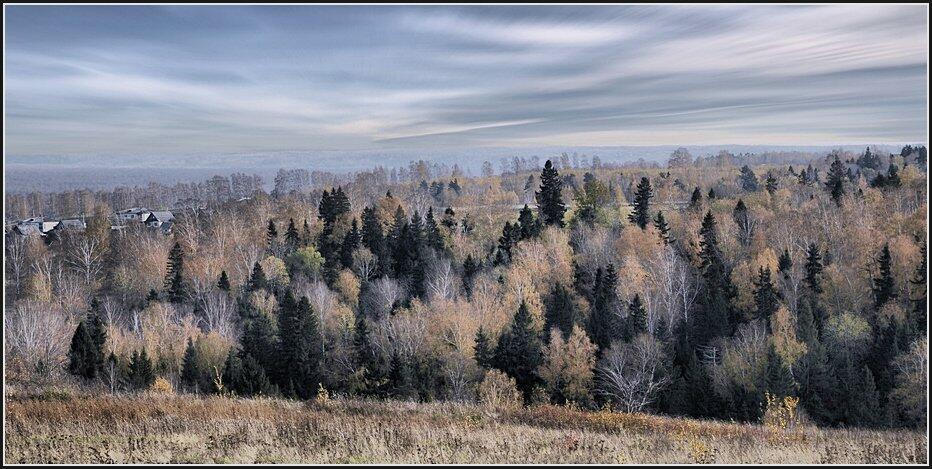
(141, 375)
(918, 313)
(519, 352)
(244, 376)
(559, 311)
(191, 373)
(372, 237)
(257, 281)
(663, 228)
(301, 347)
(291, 235)
(261, 343)
(766, 297)
(779, 378)
(884, 286)
(810, 304)
(449, 219)
(636, 322)
(224, 282)
(835, 183)
(350, 242)
(550, 197)
(80, 355)
(484, 352)
(771, 184)
(785, 263)
(603, 326)
(530, 226)
(748, 179)
(271, 233)
(399, 377)
(717, 315)
(174, 278)
(640, 215)
(862, 401)
(711, 194)
(695, 202)
(432, 235)
(742, 218)
(470, 268)
(511, 234)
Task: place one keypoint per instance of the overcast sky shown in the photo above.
(141, 80)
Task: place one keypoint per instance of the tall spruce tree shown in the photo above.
(636, 321)
(559, 311)
(884, 286)
(301, 347)
(432, 235)
(223, 283)
(351, 241)
(919, 312)
(531, 226)
(603, 324)
(779, 379)
(766, 296)
(550, 197)
(836, 180)
(174, 278)
(640, 215)
(695, 201)
(717, 315)
(663, 228)
(292, 238)
(484, 351)
(748, 179)
(520, 352)
(141, 374)
(257, 280)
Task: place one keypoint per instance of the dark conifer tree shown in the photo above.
(174, 278)
(884, 286)
(663, 228)
(83, 356)
(550, 197)
(449, 219)
(748, 179)
(470, 268)
(717, 315)
(350, 242)
(636, 322)
(741, 216)
(372, 237)
(432, 236)
(191, 372)
(301, 346)
(261, 343)
(244, 376)
(603, 326)
(292, 238)
(766, 297)
(519, 352)
(559, 311)
(836, 180)
(771, 184)
(271, 233)
(640, 215)
(399, 383)
(695, 202)
(785, 263)
(141, 374)
(257, 280)
(918, 313)
(711, 194)
(484, 351)
(223, 283)
(530, 226)
(511, 234)
(780, 381)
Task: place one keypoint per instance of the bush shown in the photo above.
(161, 386)
(499, 391)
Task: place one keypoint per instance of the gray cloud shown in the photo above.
(120, 80)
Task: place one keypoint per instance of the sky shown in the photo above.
(183, 79)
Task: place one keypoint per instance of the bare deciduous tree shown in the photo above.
(630, 374)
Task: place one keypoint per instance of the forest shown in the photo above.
(730, 287)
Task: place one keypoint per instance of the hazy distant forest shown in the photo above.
(728, 287)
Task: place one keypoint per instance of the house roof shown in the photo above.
(160, 216)
(28, 229)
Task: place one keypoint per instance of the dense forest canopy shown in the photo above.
(708, 287)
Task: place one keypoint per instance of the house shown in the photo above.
(27, 229)
(49, 225)
(71, 224)
(132, 214)
(156, 219)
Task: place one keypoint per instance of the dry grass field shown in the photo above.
(61, 427)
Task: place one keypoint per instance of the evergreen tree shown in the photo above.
(766, 297)
(261, 343)
(663, 228)
(399, 377)
(717, 316)
(559, 311)
(449, 219)
(301, 347)
(511, 234)
(530, 226)
(636, 322)
(81, 353)
(519, 352)
(862, 403)
(742, 218)
(695, 201)
(257, 281)
(918, 313)
(244, 376)
(779, 378)
(291, 235)
(748, 179)
(372, 237)
(810, 303)
(813, 279)
(271, 233)
(835, 183)
(484, 351)
(771, 184)
(470, 268)
(432, 235)
(141, 374)
(191, 373)
(603, 325)
(224, 282)
(174, 278)
(640, 215)
(884, 287)
(711, 194)
(550, 197)
(350, 242)
(785, 263)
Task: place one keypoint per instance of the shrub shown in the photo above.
(161, 386)
(499, 391)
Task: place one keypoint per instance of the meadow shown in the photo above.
(62, 426)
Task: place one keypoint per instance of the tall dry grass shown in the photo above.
(59, 427)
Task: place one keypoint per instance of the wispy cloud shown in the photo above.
(119, 80)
